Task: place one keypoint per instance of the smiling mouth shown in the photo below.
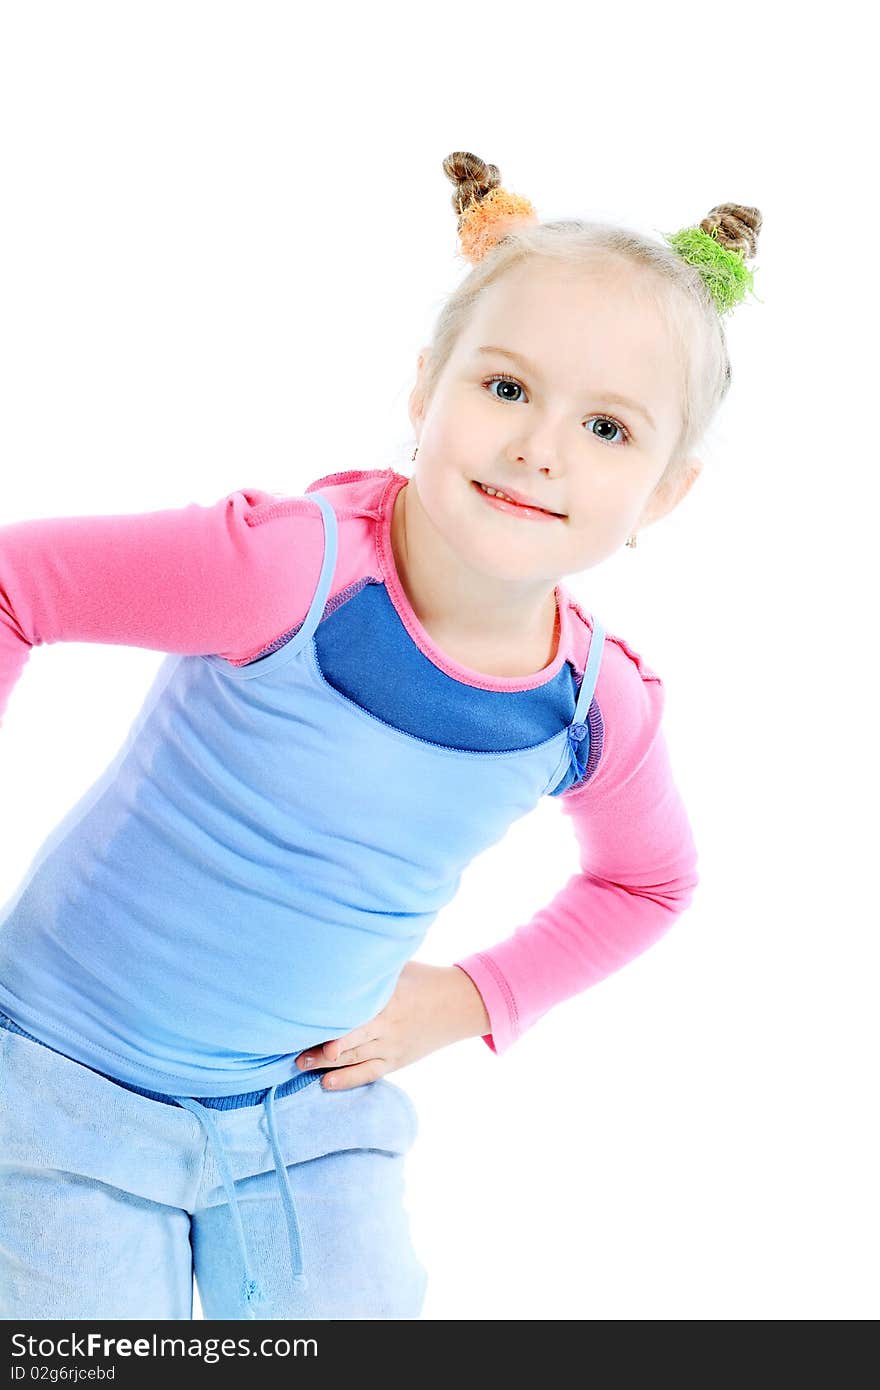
(511, 502)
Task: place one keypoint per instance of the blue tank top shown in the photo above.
(265, 853)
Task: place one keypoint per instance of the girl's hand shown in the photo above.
(432, 1006)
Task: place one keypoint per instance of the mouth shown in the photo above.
(514, 502)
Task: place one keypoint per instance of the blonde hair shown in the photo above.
(672, 284)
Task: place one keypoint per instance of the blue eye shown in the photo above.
(609, 419)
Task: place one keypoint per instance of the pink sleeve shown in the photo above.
(637, 866)
(200, 580)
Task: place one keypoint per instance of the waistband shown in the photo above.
(201, 1107)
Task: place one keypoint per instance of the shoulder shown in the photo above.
(623, 672)
(270, 548)
(357, 493)
(358, 499)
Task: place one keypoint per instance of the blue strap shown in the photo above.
(325, 578)
(579, 729)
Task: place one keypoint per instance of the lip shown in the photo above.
(518, 497)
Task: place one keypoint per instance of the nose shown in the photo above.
(539, 451)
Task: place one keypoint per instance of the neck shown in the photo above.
(456, 603)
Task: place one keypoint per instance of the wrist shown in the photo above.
(471, 1012)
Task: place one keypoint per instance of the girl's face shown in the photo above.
(553, 425)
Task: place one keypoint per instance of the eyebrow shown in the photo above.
(611, 398)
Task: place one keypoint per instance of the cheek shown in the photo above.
(458, 420)
(452, 441)
(603, 491)
(437, 482)
(447, 458)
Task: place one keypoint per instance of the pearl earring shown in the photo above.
(631, 541)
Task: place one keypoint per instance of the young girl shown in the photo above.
(205, 976)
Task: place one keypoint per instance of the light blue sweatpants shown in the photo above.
(111, 1201)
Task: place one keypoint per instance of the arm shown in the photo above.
(223, 579)
(637, 873)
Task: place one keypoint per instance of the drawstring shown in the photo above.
(252, 1293)
(293, 1234)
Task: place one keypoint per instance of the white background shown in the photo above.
(226, 233)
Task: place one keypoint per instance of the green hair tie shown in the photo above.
(718, 248)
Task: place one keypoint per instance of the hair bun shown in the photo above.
(472, 176)
(738, 227)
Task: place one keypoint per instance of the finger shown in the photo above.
(339, 1051)
(312, 1057)
(364, 1052)
(346, 1078)
(350, 1047)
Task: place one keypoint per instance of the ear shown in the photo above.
(666, 496)
(416, 397)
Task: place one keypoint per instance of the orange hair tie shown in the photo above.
(489, 219)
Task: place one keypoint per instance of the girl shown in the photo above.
(205, 977)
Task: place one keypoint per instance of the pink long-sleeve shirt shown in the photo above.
(234, 580)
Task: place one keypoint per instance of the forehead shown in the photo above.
(598, 327)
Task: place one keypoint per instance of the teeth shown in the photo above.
(493, 492)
